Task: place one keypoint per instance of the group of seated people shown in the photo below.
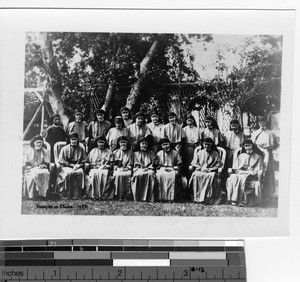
(149, 162)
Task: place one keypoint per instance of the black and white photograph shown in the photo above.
(151, 124)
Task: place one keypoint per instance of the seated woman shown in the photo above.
(243, 187)
(123, 162)
(70, 173)
(100, 159)
(143, 179)
(115, 132)
(204, 180)
(167, 174)
(36, 169)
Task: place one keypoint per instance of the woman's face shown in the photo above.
(208, 124)
(56, 121)
(143, 146)
(262, 125)
(101, 144)
(125, 115)
(38, 145)
(123, 145)
(234, 127)
(139, 120)
(172, 120)
(190, 122)
(165, 146)
(154, 119)
(78, 118)
(100, 117)
(118, 125)
(248, 148)
(74, 141)
(207, 147)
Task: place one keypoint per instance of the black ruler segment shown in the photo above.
(110, 248)
(28, 255)
(58, 248)
(34, 249)
(85, 248)
(99, 262)
(160, 249)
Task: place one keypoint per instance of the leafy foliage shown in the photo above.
(89, 62)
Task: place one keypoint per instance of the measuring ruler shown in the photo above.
(122, 260)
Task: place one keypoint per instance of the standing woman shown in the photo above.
(123, 163)
(143, 178)
(70, 174)
(78, 126)
(138, 130)
(98, 127)
(234, 139)
(266, 139)
(174, 132)
(55, 133)
(115, 132)
(212, 131)
(192, 141)
(167, 174)
(100, 160)
(36, 169)
(125, 113)
(204, 180)
(157, 130)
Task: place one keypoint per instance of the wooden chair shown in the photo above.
(222, 153)
(57, 148)
(261, 174)
(26, 147)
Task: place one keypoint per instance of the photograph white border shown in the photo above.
(13, 26)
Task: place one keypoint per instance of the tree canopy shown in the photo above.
(93, 70)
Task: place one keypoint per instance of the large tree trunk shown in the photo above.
(109, 97)
(54, 85)
(144, 67)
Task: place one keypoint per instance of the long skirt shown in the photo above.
(36, 182)
(206, 187)
(143, 185)
(71, 182)
(188, 156)
(99, 184)
(122, 183)
(244, 189)
(167, 185)
(269, 179)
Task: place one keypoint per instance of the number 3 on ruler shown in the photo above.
(185, 273)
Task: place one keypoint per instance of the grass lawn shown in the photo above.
(130, 208)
